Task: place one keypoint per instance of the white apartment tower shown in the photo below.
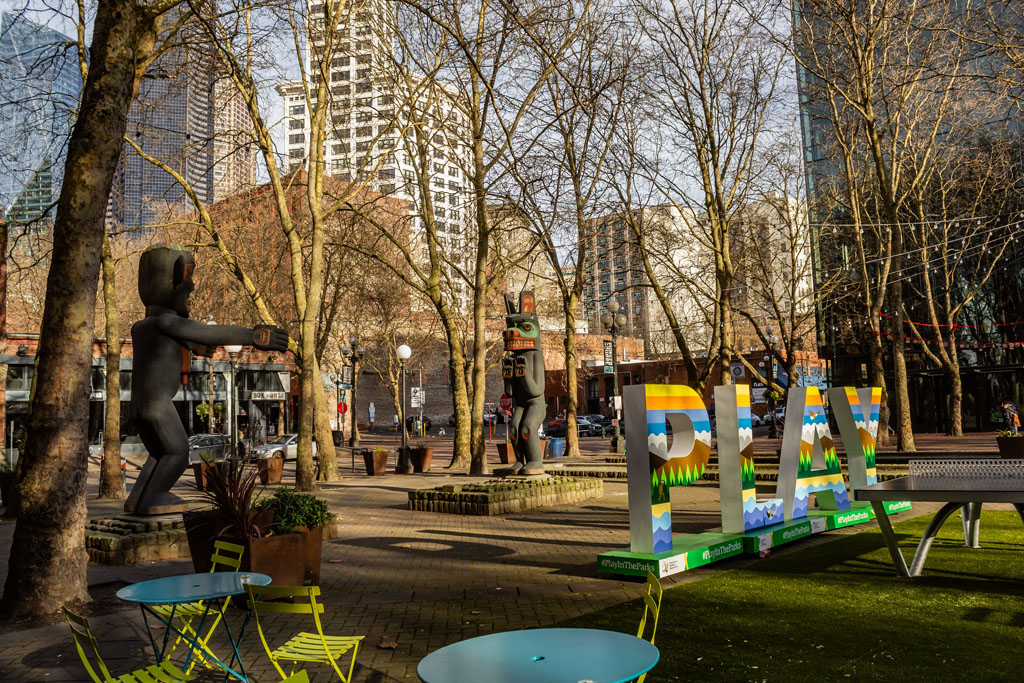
(380, 119)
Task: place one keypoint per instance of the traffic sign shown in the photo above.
(505, 402)
(417, 397)
(342, 408)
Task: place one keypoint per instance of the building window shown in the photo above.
(363, 146)
(340, 149)
(341, 61)
(295, 153)
(363, 87)
(386, 100)
(340, 76)
(387, 188)
(343, 90)
(296, 138)
(387, 174)
(19, 377)
(294, 123)
(297, 110)
(452, 170)
(363, 58)
(364, 131)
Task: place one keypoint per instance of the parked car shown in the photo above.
(286, 445)
(598, 420)
(755, 421)
(556, 428)
(130, 445)
(491, 418)
(208, 448)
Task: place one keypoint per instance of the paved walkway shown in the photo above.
(409, 581)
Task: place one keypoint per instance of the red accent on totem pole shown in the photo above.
(527, 304)
(261, 335)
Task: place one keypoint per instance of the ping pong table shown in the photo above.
(960, 484)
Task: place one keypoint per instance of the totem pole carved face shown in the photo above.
(522, 328)
(165, 277)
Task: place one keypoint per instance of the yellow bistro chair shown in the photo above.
(165, 672)
(305, 646)
(226, 557)
(652, 607)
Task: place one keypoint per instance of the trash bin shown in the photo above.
(557, 447)
(338, 436)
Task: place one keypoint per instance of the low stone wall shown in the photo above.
(128, 539)
(502, 496)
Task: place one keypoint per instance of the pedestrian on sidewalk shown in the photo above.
(1011, 416)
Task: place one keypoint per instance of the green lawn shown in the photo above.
(837, 611)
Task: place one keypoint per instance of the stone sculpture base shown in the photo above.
(130, 539)
(513, 494)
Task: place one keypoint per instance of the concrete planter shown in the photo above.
(1011, 447)
(376, 461)
(270, 470)
(421, 457)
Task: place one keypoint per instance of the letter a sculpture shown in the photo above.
(522, 368)
(162, 343)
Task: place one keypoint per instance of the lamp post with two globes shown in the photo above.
(354, 353)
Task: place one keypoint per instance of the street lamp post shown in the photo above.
(355, 354)
(233, 351)
(404, 465)
(614, 321)
(773, 430)
(209, 416)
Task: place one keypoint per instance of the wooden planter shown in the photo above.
(270, 470)
(421, 458)
(505, 453)
(288, 559)
(376, 461)
(1011, 447)
(199, 470)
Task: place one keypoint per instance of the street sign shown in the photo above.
(342, 408)
(609, 369)
(505, 402)
(416, 397)
(759, 394)
(736, 370)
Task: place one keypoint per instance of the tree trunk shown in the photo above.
(876, 373)
(111, 481)
(901, 385)
(956, 395)
(48, 559)
(325, 452)
(461, 457)
(572, 437)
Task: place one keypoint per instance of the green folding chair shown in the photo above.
(226, 557)
(304, 646)
(652, 607)
(164, 672)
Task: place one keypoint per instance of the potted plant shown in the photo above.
(421, 456)
(1011, 444)
(282, 535)
(376, 461)
(202, 469)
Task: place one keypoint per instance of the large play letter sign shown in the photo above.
(652, 466)
(741, 511)
(809, 463)
(856, 413)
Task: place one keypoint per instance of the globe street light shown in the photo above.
(404, 465)
(613, 321)
(354, 353)
(233, 351)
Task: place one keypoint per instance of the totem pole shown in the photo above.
(522, 368)
(162, 343)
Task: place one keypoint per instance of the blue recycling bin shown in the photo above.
(557, 447)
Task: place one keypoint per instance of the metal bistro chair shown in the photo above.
(164, 672)
(226, 556)
(304, 646)
(652, 607)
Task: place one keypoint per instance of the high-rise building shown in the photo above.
(191, 118)
(379, 123)
(40, 82)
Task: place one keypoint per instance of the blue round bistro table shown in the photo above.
(210, 588)
(542, 655)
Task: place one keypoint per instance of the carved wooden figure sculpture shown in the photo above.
(163, 341)
(522, 368)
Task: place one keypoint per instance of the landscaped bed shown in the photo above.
(499, 496)
(837, 611)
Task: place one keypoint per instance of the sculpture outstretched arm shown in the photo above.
(190, 332)
(533, 378)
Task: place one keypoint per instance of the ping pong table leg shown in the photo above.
(972, 523)
(929, 535)
(890, 538)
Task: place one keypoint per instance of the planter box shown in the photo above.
(376, 462)
(421, 458)
(199, 470)
(502, 496)
(1011, 447)
(288, 559)
(270, 470)
(505, 453)
(6, 488)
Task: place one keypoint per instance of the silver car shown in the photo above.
(286, 445)
(208, 448)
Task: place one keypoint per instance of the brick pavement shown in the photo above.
(418, 579)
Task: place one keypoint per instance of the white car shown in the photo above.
(756, 421)
(286, 445)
